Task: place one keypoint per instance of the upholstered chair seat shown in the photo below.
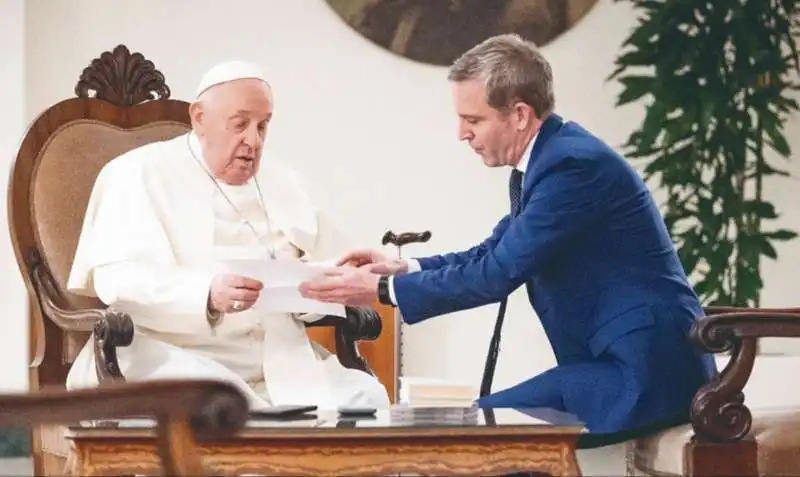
(776, 432)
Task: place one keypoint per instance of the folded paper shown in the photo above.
(281, 279)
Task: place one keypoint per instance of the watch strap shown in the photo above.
(383, 291)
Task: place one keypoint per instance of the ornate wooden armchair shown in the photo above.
(724, 437)
(122, 102)
(181, 409)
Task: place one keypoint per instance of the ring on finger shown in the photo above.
(237, 305)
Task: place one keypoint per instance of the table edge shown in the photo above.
(321, 433)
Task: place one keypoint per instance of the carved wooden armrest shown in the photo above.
(49, 297)
(361, 324)
(111, 328)
(718, 411)
(181, 408)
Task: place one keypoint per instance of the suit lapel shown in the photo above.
(549, 128)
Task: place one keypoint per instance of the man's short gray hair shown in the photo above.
(512, 69)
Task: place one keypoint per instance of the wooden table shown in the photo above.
(492, 442)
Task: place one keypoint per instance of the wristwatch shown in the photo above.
(383, 291)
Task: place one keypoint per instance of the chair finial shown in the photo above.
(122, 78)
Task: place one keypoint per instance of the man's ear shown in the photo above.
(196, 115)
(524, 115)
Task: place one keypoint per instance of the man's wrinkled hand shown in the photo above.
(359, 258)
(233, 293)
(344, 285)
(388, 267)
(373, 262)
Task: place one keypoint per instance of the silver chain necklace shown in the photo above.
(271, 248)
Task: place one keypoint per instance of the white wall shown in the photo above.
(13, 305)
(373, 132)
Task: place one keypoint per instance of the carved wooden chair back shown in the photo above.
(52, 178)
(122, 102)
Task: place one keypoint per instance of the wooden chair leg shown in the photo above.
(37, 453)
(53, 465)
(711, 459)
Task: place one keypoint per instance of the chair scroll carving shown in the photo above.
(718, 411)
(111, 328)
(122, 78)
(361, 324)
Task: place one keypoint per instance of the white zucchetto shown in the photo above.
(229, 71)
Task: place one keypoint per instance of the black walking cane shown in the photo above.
(399, 240)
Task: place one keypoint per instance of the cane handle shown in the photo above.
(405, 238)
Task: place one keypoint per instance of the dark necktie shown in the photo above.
(515, 195)
(515, 190)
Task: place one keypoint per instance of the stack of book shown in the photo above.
(427, 401)
(433, 416)
(432, 392)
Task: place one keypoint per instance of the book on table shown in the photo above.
(435, 392)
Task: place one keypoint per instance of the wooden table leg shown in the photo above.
(572, 469)
(568, 467)
(78, 465)
(71, 467)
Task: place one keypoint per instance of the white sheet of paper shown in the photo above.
(281, 279)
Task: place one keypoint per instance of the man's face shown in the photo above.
(231, 122)
(490, 133)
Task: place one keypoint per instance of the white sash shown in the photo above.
(293, 373)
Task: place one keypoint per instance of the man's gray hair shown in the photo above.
(512, 69)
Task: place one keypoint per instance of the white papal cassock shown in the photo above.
(155, 231)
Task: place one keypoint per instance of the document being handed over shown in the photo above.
(281, 279)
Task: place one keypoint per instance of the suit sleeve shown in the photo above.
(460, 258)
(566, 202)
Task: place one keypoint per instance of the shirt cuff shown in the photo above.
(413, 265)
(392, 298)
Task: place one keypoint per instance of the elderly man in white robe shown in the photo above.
(163, 217)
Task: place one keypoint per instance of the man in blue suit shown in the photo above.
(585, 238)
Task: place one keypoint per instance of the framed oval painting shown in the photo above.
(438, 31)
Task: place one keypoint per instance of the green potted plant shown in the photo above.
(716, 77)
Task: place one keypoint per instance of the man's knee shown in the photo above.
(493, 400)
(540, 391)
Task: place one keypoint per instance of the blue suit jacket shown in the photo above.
(603, 276)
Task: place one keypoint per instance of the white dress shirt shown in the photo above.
(413, 265)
